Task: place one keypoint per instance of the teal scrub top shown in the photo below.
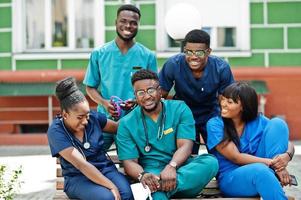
(131, 137)
(110, 70)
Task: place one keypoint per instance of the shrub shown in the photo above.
(9, 182)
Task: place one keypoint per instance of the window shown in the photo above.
(84, 24)
(35, 37)
(227, 23)
(58, 25)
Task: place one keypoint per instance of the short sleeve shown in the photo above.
(166, 75)
(127, 148)
(215, 132)
(57, 138)
(226, 78)
(92, 77)
(186, 127)
(101, 118)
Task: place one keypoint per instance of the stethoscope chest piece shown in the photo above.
(147, 148)
(87, 145)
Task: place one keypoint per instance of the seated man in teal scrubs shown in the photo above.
(155, 143)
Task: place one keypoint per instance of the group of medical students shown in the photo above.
(158, 138)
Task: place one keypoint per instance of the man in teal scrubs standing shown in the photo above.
(155, 143)
(112, 65)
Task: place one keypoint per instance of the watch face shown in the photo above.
(173, 164)
(139, 177)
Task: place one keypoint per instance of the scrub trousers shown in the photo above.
(257, 178)
(192, 177)
(80, 187)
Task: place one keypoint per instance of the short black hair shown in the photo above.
(129, 7)
(197, 36)
(68, 93)
(144, 74)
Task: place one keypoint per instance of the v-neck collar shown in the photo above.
(120, 52)
(188, 76)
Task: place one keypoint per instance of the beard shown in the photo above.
(153, 108)
(128, 38)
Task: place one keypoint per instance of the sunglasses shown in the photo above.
(197, 53)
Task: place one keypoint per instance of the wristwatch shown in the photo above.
(173, 164)
(140, 175)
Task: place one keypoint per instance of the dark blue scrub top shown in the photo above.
(199, 94)
(59, 140)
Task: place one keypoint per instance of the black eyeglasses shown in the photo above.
(151, 91)
(197, 53)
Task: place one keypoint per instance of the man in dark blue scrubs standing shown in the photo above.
(198, 79)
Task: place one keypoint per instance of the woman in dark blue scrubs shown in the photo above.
(76, 138)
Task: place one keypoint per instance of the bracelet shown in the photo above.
(289, 155)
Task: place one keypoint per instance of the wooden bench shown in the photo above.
(211, 191)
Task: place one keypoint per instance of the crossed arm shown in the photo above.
(278, 163)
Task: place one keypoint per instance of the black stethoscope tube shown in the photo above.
(86, 144)
(148, 147)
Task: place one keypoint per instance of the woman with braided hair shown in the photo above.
(76, 138)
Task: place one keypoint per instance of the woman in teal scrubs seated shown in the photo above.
(76, 138)
(155, 143)
(253, 151)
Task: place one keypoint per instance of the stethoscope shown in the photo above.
(86, 144)
(148, 147)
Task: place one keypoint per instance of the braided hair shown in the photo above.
(68, 93)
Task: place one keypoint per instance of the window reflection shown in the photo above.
(63, 15)
(59, 23)
(84, 24)
(226, 37)
(35, 35)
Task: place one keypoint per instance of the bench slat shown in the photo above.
(60, 183)
(210, 192)
(60, 195)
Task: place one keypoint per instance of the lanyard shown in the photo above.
(147, 146)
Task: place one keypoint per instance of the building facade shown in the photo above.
(261, 39)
